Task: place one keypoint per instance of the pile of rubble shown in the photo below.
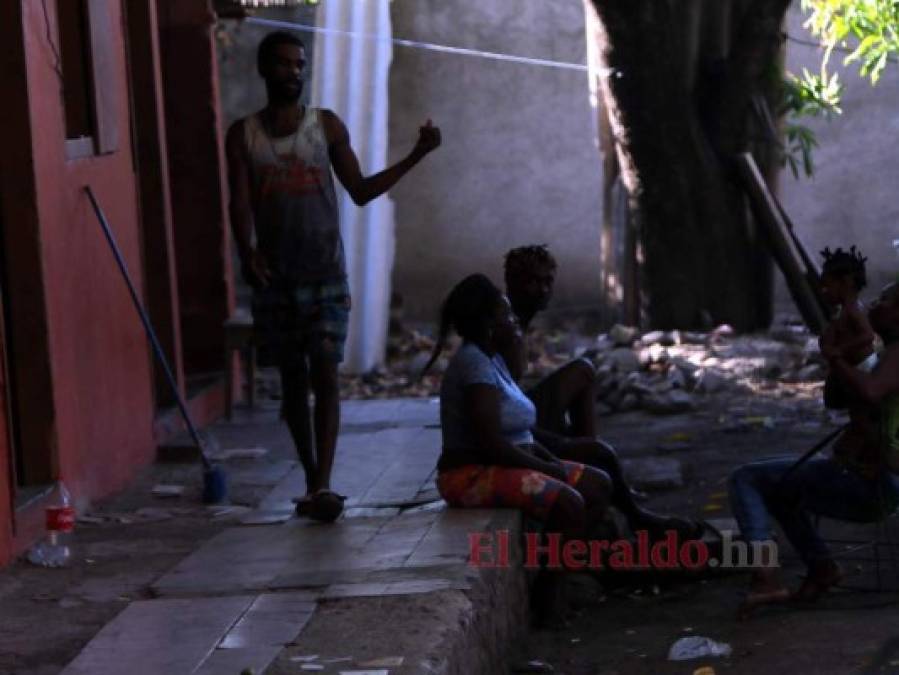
(665, 372)
(661, 372)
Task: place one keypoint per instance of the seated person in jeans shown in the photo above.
(859, 483)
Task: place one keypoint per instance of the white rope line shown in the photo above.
(426, 46)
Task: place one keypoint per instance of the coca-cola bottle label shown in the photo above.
(60, 518)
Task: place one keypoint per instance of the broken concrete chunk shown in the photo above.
(604, 343)
(623, 336)
(693, 338)
(653, 337)
(624, 360)
(658, 354)
(709, 382)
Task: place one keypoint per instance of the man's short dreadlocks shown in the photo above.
(842, 263)
(524, 259)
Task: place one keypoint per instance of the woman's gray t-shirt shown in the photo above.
(517, 413)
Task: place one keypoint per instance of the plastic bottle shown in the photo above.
(54, 551)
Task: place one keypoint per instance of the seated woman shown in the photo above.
(859, 483)
(490, 457)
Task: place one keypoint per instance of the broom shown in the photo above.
(215, 485)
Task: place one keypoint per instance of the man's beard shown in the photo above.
(279, 93)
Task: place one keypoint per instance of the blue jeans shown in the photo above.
(821, 486)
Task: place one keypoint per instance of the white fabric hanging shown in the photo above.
(351, 78)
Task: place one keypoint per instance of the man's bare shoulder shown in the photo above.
(334, 128)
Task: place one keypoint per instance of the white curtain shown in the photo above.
(350, 77)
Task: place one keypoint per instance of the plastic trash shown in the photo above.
(54, 550)
(697, 647)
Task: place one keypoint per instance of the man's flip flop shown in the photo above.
(302, 504)
(325, 506)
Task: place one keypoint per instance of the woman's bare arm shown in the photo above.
(482, 404)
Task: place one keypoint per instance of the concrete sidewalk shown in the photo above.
(386, 589)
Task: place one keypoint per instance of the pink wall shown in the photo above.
(6, 505)
(87, 360)
(99, 356)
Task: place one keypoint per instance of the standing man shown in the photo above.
(279, 168)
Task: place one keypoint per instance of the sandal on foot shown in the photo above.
(326, 506)
(302, 504)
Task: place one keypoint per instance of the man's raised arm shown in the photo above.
(364, 189)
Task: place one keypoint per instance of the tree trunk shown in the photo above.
(681, 77)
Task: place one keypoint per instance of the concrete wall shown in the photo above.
(518, 164)
(852, 198)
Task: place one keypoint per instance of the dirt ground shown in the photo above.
(627, 632)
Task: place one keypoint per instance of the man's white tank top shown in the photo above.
(294, 201)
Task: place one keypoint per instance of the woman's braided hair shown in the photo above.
(468, 309)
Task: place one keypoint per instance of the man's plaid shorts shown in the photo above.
(308, 320)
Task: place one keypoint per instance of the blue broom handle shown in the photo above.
(157, 348)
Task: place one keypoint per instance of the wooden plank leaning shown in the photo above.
(799, 270)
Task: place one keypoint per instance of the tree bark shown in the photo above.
(679, 115)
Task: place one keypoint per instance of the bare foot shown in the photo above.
(765, 589)
(821, 578)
